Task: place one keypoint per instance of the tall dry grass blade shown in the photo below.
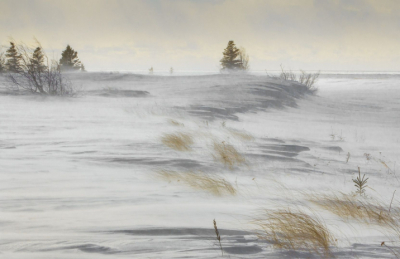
(178, 141)
(199, 180)
(295, 231)
(218, 236)
(390, 206)
(394, 252)
(366, 211)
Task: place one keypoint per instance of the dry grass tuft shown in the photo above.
(176, 123)
(227, 154)
(178, 141)
(296, 231)
(242, 135)
(369, 212)
(202, 181)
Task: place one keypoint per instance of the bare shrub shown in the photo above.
(295, 230)
(244, 59)
(287, 75)
(2, 63)
(178, 141)
(227, 154)
(202, 181)
(32, 77)
(307, 79)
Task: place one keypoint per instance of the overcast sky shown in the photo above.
(191, 34)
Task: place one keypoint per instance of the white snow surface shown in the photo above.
(78, 175)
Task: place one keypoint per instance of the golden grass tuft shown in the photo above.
(228, 155)
(202, 181)
(370, 212)
(296, 231)
(241, 135)
(178, 141)
(175, 123)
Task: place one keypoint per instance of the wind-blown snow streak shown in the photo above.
(78, 176)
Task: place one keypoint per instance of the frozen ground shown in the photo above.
(78, 176)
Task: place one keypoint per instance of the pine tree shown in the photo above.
(13, 59)
(37, 60)
(69, 59)
(230, 60)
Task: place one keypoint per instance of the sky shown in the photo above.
(190, 35)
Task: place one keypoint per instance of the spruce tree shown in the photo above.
(230, 60)
(69, 60)
(37, 60)
(13, 59)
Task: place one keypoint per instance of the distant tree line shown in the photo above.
(29, 69)
(234, 59)
(12, 60)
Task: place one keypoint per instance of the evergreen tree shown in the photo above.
(13, 59)
(230, 60)
(37, 60)
(69, 60)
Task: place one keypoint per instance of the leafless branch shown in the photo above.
(34, 77)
